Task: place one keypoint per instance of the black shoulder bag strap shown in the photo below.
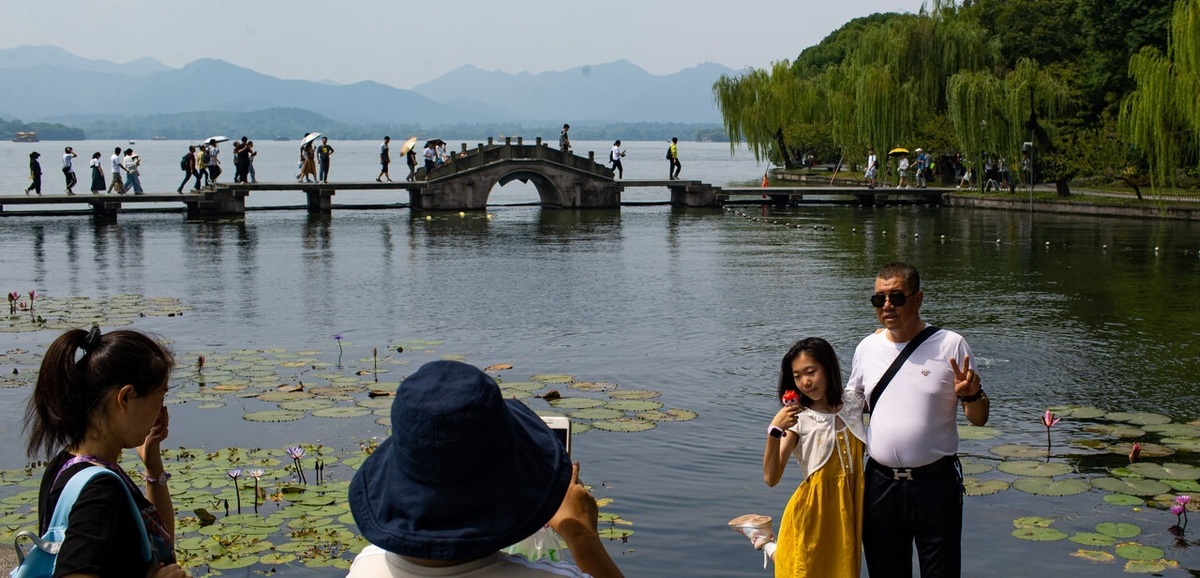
(887, 376)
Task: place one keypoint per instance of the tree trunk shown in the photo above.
(1136, 188)
(1062, 186)
(783, 150)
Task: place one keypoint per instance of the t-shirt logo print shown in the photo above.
(925, 372)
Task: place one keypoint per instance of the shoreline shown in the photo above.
(1075, 206)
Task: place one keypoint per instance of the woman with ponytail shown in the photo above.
(97, 395)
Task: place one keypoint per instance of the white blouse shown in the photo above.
(818, 433)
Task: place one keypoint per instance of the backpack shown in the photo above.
(40, 560)
(183, 162)
(668, 153)
(206, 157)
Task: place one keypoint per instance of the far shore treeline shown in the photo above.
(1103, 89)
(293, 123)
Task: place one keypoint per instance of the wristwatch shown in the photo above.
(775, 431)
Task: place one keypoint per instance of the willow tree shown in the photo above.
(895, 76)
(1162, 117)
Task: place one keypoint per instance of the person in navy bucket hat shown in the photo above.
(464, 474)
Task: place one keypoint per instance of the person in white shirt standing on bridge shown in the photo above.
(385, 158)
(114, 163)
(564, 141)
(68, 172)
(615, 157)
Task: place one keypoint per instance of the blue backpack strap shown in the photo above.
(70, 493)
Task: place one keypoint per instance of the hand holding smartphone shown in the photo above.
(561, 425)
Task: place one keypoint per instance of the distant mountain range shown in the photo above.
(48, 84)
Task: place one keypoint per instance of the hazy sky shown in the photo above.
(404, 43)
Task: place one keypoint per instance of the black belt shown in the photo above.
(917, 473)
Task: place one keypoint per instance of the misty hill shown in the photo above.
(614, 92)
(145, 97)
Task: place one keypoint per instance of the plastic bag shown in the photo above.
(545, 543)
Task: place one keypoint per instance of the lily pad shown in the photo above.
(977, 487)
(1181, 444)
(1131, 486)
(634, 394)
(673, 414)
(576, 402)
(977, 432)
(1034, 468)
(627, 424)
(1149, 566)
(1175, 430)
(274, 415)
(1116, 430)
(342, 411)
(1118, 529)
(1079, 412)
(1093, 555)
(1036, 534)
(1166, 471)
(1093, 539)
(633, 405)
(594, 386)
(1133, 551)
(596, 413)
(552, 378)
(1033, 522)
(973, 467)
(1017, 451)
(1138, 418)
(1123, 500)
(1188, 486)
(1051, 487)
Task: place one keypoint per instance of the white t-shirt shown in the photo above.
(94, 163)
(915, 422)
(375, 562)
(115, 161)
(67, 160)
(615, 154)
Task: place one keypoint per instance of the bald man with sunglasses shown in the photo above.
(914, 486)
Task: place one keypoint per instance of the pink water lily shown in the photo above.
(1134, 452)
(1183, 500)
(1049, 420)
(1179, 508)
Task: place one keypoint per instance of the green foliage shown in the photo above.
(44, 130)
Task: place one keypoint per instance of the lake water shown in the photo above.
(698, 305)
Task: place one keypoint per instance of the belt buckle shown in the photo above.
(902, 473)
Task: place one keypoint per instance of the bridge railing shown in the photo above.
(485, 154)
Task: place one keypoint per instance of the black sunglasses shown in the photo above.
(897, 298)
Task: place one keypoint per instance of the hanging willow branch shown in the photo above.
(1162, 117)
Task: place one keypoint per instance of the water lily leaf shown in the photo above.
(498, 367)
(594, 385)
(977, 432)
(1079, 412)
(1133, 551)
(1017, 451)
(1138, 418)
(281, 396)
(634, 394)
(552, 378)
(627, 424)
(597, 413)
(1166, 471)
(977, 487)
(1036, 534)
(523, 385)
(1179, 430)
(1149, 566)
(1033, 522)
(1118, 529)
(1093, 555)
(1033, 468)
(672, 414)
(342, 411)
(615, 533)
(1149, 450)
(1187, 486)
(1182, 444)
(575, 402)
(226, 563)
(306, 404)
(633, 405)
(1051, 487)
(1131, 486)
(276, 558)
(274, 415)
(1116, 430)
(1123, 500)
(1093, 539)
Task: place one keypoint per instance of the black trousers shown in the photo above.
(925, 510)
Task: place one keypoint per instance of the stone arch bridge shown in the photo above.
(562, 180)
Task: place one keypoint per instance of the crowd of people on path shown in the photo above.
(202, 163)
(916, 172)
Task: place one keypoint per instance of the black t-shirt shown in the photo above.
(102, 537)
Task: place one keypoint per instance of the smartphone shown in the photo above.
(561, 426)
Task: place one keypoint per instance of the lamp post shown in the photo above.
(979, 170)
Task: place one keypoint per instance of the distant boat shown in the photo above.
(25, 136)
(132, 143)
(282, 138)
(158, 137)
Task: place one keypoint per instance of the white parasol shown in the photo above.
(408, 145)
(312, 136)
(219, 139)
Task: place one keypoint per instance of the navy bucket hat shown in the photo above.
(464, 473)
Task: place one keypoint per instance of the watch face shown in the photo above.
(775, 432)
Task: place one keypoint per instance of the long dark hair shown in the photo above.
(822, 352)
(80, 369)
